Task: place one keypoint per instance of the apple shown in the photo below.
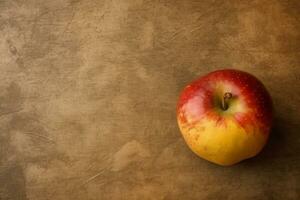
(225, 116)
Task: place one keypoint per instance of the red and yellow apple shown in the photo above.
(225, 116)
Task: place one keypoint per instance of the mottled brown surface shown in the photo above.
(88, 90)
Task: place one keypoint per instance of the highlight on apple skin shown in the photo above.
(226, 116)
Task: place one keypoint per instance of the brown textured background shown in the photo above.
(88, 90)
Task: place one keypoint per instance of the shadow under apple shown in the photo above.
(281, 145)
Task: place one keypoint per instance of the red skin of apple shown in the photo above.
(197, 100)
(252, 89)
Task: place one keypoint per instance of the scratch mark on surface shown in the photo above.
(10, 112)
(93, 177)
(40, 136)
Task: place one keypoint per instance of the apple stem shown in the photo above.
(225, 99)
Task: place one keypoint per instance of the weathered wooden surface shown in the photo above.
(88, 91)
